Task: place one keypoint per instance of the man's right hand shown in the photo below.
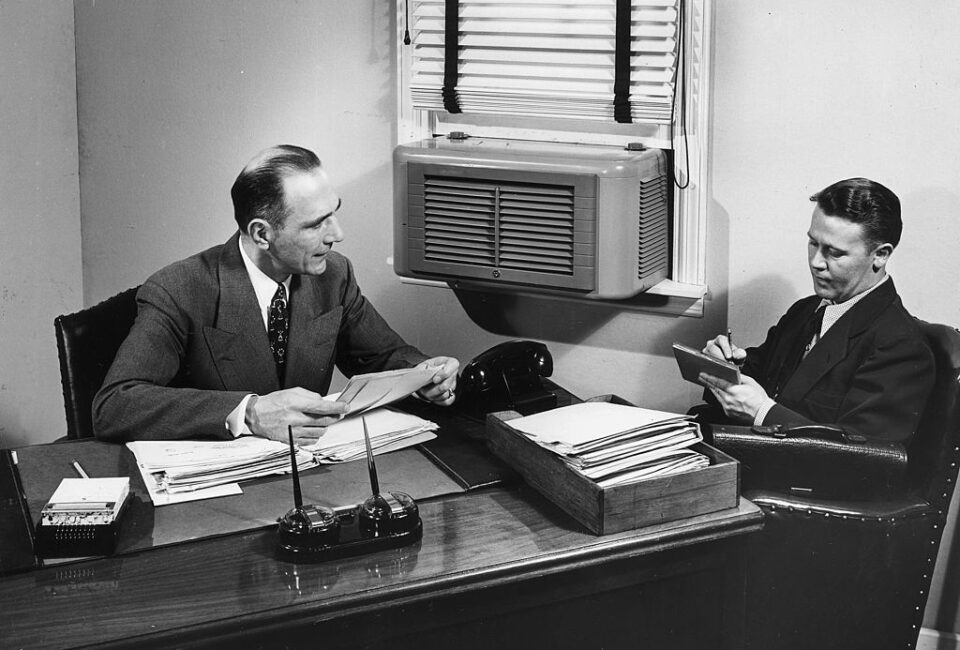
(721, 348)
(268, 416)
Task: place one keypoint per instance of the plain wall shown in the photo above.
(175, 96)
(40, 274)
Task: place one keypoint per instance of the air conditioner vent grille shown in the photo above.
(653, 245)
(502, 224)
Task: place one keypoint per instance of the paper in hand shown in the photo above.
(371, 390)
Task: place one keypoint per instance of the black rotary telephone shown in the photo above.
(508, 376)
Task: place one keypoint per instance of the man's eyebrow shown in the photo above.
(334, 211)
(323, 218)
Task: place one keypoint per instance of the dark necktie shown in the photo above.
(801, 345)
(278, 328)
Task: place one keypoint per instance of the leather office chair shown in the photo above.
(851, 528)
(87, 342)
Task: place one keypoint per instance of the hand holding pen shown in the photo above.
(722, 347)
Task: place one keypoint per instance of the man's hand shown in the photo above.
(721, 348)
(739, 401)
(444, 381)
(268, 416)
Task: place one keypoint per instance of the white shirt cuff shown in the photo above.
(762, 411)
(237, 422)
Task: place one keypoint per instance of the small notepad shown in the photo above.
(693, 362)
(89, 495)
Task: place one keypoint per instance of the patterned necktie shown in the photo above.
(801, 346)
(278, 328)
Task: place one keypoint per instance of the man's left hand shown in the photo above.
(739, 401)
(444, 381)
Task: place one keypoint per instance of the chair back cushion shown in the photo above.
(87, 342)
(934, 452)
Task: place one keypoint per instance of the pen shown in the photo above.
(371, 465)
(730, 341)
(79, 469)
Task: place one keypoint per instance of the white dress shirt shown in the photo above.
(264, 286)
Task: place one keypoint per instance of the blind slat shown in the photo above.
(549, 58)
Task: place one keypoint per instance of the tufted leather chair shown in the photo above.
(87, 342)
(851, 527)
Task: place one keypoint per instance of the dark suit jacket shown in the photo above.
(199, 346)
(870, 373)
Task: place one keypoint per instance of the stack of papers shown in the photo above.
(175, 471)
(615, 444)
(389, 430)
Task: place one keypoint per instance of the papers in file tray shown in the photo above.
(187, 470)
(615, 444)
(545, 452)
(389, 430)
(82, 517)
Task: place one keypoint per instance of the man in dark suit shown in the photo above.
(243, 337)
(850, 355)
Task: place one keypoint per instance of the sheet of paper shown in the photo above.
(182, 453)
(616, 443)
(188, 470)
(389, 430)
(160, 497)
(87, 493)
(375, 389)
(588, 421)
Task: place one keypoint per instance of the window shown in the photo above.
(551, 70)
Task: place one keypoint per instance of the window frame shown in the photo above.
(687, 286)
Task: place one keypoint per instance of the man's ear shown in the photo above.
(261, 232)
(881, 255)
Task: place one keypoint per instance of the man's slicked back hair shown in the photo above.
(258, 191)
(866, 202)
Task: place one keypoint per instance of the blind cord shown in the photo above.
(681, 58)
(406, 22)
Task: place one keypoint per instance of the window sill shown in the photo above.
(666, 297)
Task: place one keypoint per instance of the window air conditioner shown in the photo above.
(581, 220)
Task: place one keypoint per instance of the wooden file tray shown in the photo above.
(621, 507)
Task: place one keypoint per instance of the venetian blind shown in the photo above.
(546, 58)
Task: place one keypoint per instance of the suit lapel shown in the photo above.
(313, 335)
(835, 344)
(238, 340)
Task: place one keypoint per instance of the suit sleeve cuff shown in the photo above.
(762, 411)
(236, 421)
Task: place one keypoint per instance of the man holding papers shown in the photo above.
(244, 337)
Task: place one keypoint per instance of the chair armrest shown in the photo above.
(814, 461)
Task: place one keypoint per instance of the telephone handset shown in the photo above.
(508, 376)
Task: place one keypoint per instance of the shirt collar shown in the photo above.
(263, 285)
(833, 311)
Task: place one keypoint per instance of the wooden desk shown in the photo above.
(498, 568)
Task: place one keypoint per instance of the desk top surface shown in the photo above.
(209, 586)
(191, 591)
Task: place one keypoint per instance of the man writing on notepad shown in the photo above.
(850, 355)
(243, 337)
